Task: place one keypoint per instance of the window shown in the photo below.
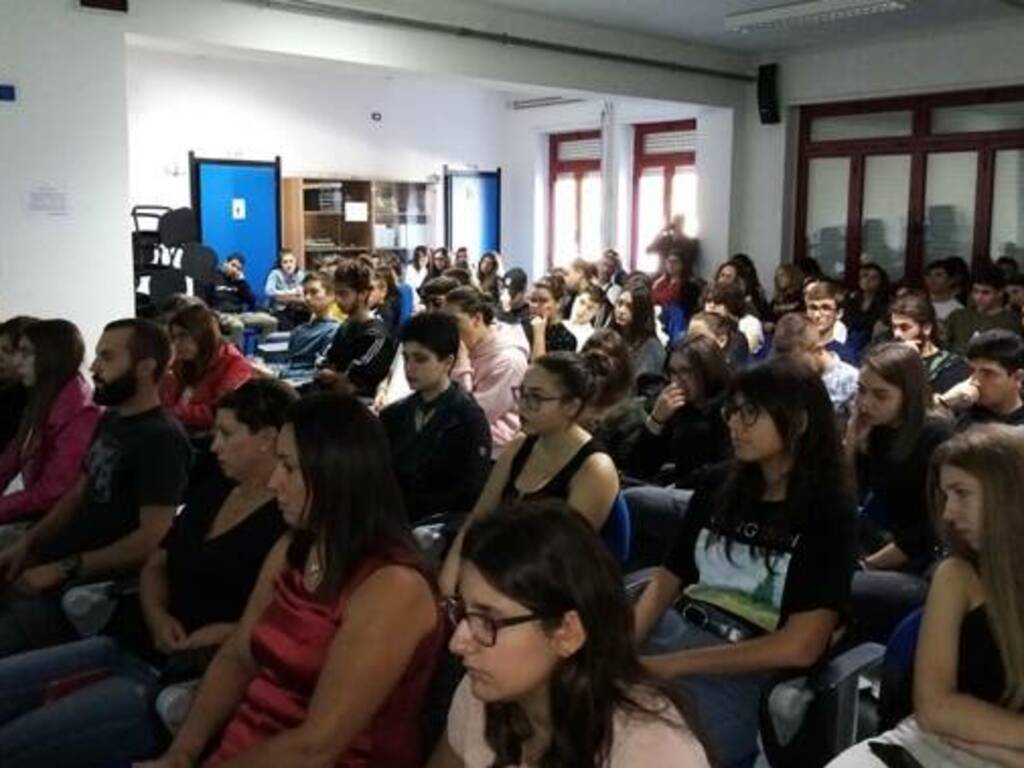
(664, 184)
(575, 197)
(905, 181)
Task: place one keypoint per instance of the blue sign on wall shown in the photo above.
(238, 207)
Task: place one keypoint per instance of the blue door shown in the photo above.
(473, 210)
(237, 204)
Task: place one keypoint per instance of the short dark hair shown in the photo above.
(989, 276)
(1000, 346)
(515, 280)
(437, 331)
(149, 341)
(236, 256)
(790, 332)
(473, 302)
(260, 402)
(729, 295)
(355, 274)
(459, 275)
(319, 277)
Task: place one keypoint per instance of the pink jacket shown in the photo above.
(55, 463)
(499, 363)
(227, 372)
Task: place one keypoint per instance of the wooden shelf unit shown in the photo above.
(398, 217)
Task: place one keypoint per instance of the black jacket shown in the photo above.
(363, 351)
(443, 466)
(230, 296)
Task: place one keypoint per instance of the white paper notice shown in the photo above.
(48, 200)
(357, 211)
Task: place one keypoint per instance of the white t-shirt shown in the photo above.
(751, 327)
(638, 741)
(944, 309)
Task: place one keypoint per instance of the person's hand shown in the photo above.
(42, 578)
(327, 376)
(1004, 756)
(539, 323)
(168, 633)
(170, 759)
(962, 396)
(13, 559)
(211, 634)
(671, 399)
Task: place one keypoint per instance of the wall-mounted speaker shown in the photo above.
(106, 5)
(768, 93)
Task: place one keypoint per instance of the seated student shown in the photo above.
(45, 458)
(728, 299)
(333, 656)
(867, 306)
(823, 299)
(555, 457)
(570, 673)
(614, 415)
(992, 393)
(231, 297)
(797, 337)
(360, 354)
(310, 340)
(384, 301)
(434, 291)
(204, 368)
(193, 591)
(914, 323)
(723, 331)
(941, 282)
(284, 291)
(514, 301)
(1014, 293)
(789, 295)
(986, 312)
(545, 331)
(891, 437)
(579, 275)
(583, 313)
(685, 426)
(121, 507)
(13, 394)
(488, 275)
(969, 669)
(634, 320)
(440, 439)
(498, 359)
(439, 262)
(764, 557)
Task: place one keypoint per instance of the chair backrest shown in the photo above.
(199, 263)
(164, 283)
(178, 227)
(407, 302)
(617, 531)
(896, 699)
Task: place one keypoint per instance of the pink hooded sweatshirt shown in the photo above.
(499, 363)
(54, 463)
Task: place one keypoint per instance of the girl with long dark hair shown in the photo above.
(331, 661)
(416, 270)
(205, 366)
(634, 320)
(867, 306)
(13, 394)
(614, 415)
(57, 424)
(969, 668)
(488, 276)
(763, 559)
(543, 625)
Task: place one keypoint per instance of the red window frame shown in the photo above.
(667, 162)
(578, 168)
(919, 144)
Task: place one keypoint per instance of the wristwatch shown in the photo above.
(71, 566)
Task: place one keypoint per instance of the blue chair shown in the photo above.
(617, 530)
(896, 698)
(406, 302)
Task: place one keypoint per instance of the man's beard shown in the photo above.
(116, 391)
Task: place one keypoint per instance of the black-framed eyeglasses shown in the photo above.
(748, 412)
(483, 628)
(531, 399)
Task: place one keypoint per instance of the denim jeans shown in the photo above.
(727, 706)
(107, 721)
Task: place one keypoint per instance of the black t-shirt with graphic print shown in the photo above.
(133, 462)
(810, 570)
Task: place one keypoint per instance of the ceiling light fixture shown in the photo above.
(810, 12)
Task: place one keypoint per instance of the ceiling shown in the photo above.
(703, 21)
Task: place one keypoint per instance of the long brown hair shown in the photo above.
(899, 365)
(200, 323)
(994, 455)
(58, 350)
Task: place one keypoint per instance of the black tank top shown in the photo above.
(558, 486)
(980, 671)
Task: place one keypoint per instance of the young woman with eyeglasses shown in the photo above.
(555, 458)
(543, 626)
(763, 559)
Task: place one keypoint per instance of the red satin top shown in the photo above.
(290, 645)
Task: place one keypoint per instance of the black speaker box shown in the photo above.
(767, 93)
(106, 5)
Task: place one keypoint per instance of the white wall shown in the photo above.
(318, 119)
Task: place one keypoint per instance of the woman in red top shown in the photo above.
(57, 425)
(204, 368)
(331, 662)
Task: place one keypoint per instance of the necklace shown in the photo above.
(314, 572)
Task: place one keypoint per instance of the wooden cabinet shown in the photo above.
(324, 218)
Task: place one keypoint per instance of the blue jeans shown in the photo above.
(104, 722)
(727, 706)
